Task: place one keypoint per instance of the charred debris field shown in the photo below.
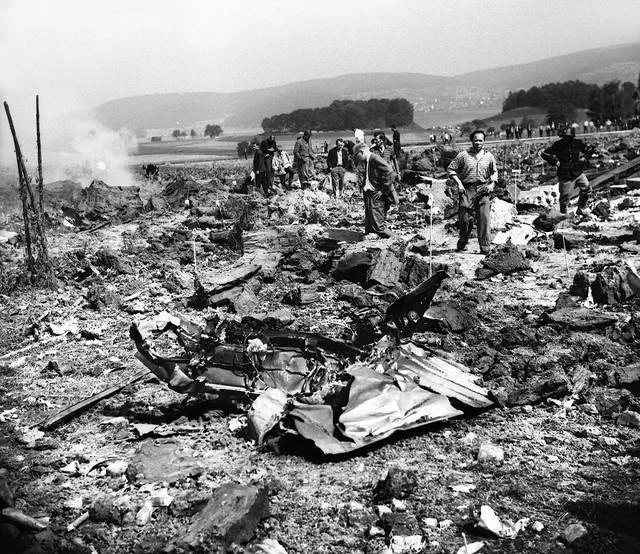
(216, 371)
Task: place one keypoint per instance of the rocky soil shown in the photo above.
(550, 328)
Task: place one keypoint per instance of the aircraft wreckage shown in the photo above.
(340, 397)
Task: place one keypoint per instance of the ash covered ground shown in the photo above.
(547, 325)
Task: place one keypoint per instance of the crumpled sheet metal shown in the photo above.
(379, 405)
(438, 375)
(294, 362)
(413, 391)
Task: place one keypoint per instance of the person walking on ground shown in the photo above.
(568, 154)
(282, 167)
(303, 157)
(377, 189)
(475, 173)
(338, 162)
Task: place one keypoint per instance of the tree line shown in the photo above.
(613, 100)
(343, 114)
(210, 131)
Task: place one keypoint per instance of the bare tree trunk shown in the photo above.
(33, 216)
(40, 181)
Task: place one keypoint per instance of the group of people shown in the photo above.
(271, 161)
(474, 172)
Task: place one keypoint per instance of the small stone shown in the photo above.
(629, 419)
(74, 503)
(490, 454)
(398, 505)
(406, 543)
(144, 514)
(470, 439)
(572, 533)
(589, 409)
(399, 483)
(445, 524)
(553, 459)
(608, 441)
(381, 510)
(430, 522)
(375, 531)
(117, 468)
(527, 408)
(537, 527)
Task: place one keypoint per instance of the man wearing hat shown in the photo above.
(475, 172)
(377, 189)
(568, 154)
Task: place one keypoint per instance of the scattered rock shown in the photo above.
(580, 286)
(629, 419)
(505, 259)
(572, 533)
(231, 516)
(569, 239)
(611, 287)
(490, 454)
(399, 483)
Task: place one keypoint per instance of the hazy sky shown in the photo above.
(79, 53)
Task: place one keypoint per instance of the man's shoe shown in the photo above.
(485, 251)
(461, 246)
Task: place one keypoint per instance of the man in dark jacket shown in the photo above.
(338, 163)
(303, 158)
(260, 170)
(377, 189)
(569, 155)
(397, 147)
(268, 147)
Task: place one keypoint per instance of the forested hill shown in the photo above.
(344, 114)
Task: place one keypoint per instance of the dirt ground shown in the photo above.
(566, 460)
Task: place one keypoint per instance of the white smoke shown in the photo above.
(82, 149)
(76, 147)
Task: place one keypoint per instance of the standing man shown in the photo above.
(303, 158)
(568, 154)
(397, 147)
(337, 162)
(377, 189)
(260, 170)
(268, 148)
(475, 173)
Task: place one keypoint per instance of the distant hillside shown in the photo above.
(598, 66)
(470, 91)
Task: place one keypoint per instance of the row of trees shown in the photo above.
(210, 131)
(613, 100)
(344, 114)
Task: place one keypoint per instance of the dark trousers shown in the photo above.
(375, 213)
(472, 207)
(337, 179)
(567, 186)
(305, 170)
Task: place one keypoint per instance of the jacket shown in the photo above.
(302, 151)
(381, 176)
(570, 153)
(332, 158)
